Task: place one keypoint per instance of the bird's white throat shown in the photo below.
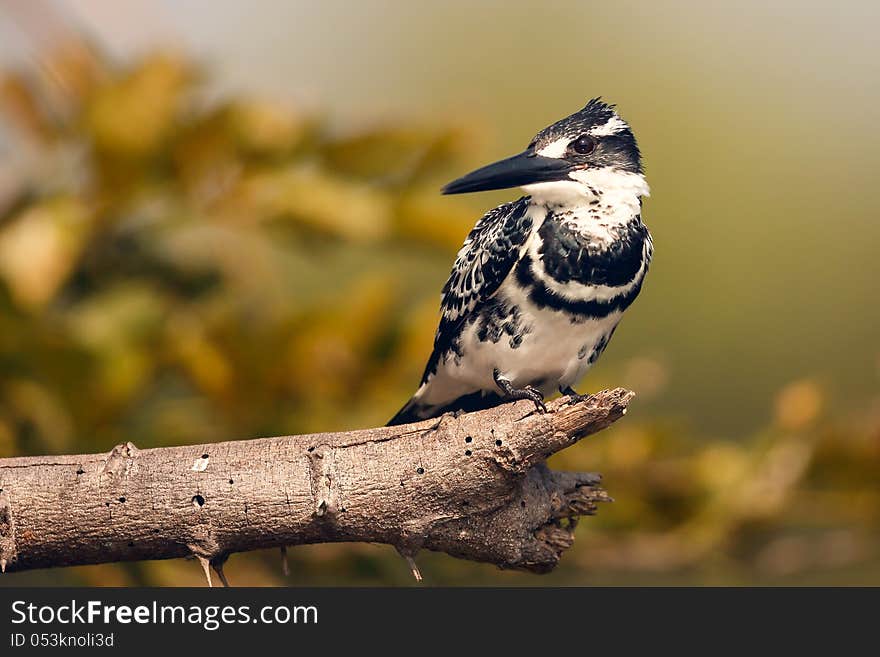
(608, 185)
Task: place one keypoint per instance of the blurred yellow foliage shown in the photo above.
(131, 114)
(39, 249)
(798, 405)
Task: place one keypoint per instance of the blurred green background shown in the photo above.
(221, 220)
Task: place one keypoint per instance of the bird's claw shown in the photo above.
(537, 397)
(533, 396)
(573, 397)
(527, 392)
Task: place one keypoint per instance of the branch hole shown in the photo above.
(467, 452)
(198, 501)
(310, 449)
(205, 455)
(80, 470)
(106, 503)
(420, 470)
(156, 530)
(469, 439)
(498, 442)
(122, 500)
(231, 481)
(523, 504)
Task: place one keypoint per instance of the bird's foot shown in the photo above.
(528, 392)
(572, 395)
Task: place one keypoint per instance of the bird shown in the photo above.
(541, 283)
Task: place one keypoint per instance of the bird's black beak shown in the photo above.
(525, 168)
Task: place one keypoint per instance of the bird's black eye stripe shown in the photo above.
(583, 145)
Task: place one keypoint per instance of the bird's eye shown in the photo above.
(583, 145)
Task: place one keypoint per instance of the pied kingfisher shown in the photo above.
(541, 283)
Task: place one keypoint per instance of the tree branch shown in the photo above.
(473, 486)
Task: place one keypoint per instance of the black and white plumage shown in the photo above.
(540, 284)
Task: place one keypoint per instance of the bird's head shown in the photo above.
(591, 150)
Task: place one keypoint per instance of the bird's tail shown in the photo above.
(414, 411)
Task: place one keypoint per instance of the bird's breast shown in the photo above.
(591, 253)
(584, 263)
(531, 344)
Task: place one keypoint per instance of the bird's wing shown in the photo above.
(489, 252)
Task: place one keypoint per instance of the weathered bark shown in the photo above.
(473, 486)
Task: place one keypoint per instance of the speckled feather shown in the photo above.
(489, 252)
